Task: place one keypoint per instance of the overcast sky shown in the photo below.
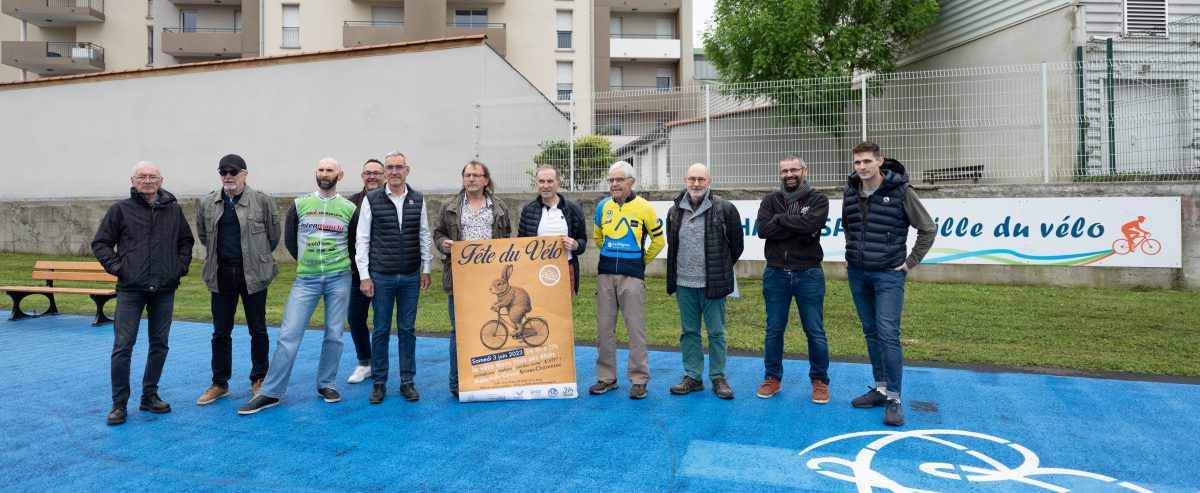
(701, 12)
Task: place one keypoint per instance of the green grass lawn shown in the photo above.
(1084, 329)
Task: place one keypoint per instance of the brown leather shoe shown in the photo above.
(769, 388)
(212, 394)
(721, 387)
(820, 393)
(255, 387)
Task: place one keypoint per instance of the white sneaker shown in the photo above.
(360, 373)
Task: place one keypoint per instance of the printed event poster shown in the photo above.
(512, 308)
(1066, 231)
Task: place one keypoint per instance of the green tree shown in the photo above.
(759, 41)
(593, 156)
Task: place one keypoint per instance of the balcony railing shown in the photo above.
(642, 36)
(291, 37)
(92, 4)
(479, 25)
(201, 30)
(374, 24)
(75, 49)
(564, 91)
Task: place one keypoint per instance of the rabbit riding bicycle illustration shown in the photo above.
(533, 331)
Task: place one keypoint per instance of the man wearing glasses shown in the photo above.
(145, 241)
(393, 250)
(623, 222)
(790, 219)
(356, 316)
(473, 214)
(239, 228)
(704, 240)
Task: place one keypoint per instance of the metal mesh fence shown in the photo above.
(1124, 110)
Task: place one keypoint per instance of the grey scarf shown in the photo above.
(794, 197)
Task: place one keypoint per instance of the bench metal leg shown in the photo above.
(100, 300)
(18, 314)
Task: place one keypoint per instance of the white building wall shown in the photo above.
(281, 118)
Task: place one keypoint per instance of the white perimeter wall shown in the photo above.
(82, 140)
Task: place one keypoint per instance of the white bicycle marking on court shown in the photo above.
(860, 472)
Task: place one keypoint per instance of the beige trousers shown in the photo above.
(627, 295)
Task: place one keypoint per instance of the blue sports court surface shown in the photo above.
(966, 430)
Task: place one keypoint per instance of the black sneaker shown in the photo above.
(637, 391)
(602, 387)
(894, 416)
(378, 393)
(687, 386)
(155, 405)
(258, 404)
(873, 398)
(330, 394)
(409, 391)
(117, 415)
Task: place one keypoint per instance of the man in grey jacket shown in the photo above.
(239, 228)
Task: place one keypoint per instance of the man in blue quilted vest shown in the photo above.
(877, 210)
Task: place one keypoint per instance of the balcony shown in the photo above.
(495, 31)
(643, 47)
(228, 3)
(53, 58)
(362, 33)
(382, 3)
(202, 42)
(635, 99)
(55, 13)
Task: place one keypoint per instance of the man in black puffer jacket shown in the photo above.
(146, 242)
(551, 214)
(878, 209)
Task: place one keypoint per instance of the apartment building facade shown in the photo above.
(561, 46)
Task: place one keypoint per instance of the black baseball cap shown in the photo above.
(232, 160)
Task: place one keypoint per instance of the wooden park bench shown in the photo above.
(960, 173)
(51, 271)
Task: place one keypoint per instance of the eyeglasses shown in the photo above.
(148, 178)
(229, 171)
(790, 171)
(697, 179)
(372, 173)
(473, 175)
(396, 167)
(617, 180)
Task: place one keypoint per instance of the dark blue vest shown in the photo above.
(395, 250)
(879, 242)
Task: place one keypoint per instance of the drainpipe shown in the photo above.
(262, 27)
(24, 37)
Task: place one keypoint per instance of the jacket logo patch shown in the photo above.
(804, 210)
(633, 223)
(887, 199)
(608, 213)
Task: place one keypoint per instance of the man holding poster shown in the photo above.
(516, 340)
(473, 214)
(877, 211)
(623, 223)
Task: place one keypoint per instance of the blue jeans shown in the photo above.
(879, 299)
(301, 303)
(453, 350)
(399, 292)
(807, 287)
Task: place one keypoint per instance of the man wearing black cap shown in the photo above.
(239, 228)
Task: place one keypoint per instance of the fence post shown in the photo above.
(1112, 114)
(1082, 120)
(863, 106)
(707, 127)
(571, 138)
(1045, 124)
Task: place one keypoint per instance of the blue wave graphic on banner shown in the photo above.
(1005, 251)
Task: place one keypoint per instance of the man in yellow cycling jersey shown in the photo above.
(623, 223)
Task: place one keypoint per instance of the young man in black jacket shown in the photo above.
(146, 242)
(791, 219)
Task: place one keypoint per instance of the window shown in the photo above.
(662, 79)
(291, 26)
(616, 78)
(564, 30)
(387, 15)
(237, 20)
(470, 18)
(187, 21)
(149, 46)
(565, 77)
(1144, 17)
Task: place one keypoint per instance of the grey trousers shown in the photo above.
(627, 295)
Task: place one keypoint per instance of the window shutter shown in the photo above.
(1145, 17)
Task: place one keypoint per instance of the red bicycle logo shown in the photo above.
(1148, 245)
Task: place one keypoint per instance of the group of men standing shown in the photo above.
(374, 249)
